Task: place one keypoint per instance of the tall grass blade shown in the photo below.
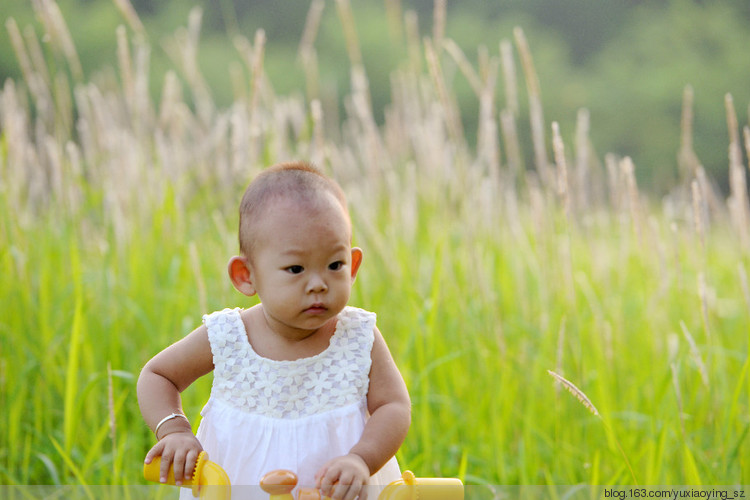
(70, 418)
(70, 463)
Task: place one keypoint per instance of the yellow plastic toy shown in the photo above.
(280, 483)
(432, 488)
(205, 473)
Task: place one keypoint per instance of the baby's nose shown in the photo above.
(317, 285)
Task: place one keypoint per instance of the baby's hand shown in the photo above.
(181, 448)
(343, 478)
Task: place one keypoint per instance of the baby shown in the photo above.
(302, 381)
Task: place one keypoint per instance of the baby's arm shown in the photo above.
(390, 416)
(160, 383)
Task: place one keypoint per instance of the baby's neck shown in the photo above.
(278, 342)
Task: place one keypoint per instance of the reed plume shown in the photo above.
(586, 402)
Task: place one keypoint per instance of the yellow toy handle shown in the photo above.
(205, 473)
(280, 483)
(423, 488)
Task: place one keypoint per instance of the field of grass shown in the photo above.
(488, 266)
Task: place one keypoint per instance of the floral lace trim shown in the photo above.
(336, 377)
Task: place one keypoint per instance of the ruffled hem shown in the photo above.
(259, 444)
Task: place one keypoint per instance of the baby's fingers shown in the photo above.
(179, 465)
(189, 466)
(326, 482)
(154, 452)
(347, 488)
(166, 462)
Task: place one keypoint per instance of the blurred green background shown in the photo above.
(627, 62)
(117, 215)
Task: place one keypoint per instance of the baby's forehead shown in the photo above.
(303, 202)
(283, 211)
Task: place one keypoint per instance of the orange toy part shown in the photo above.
(279, 484)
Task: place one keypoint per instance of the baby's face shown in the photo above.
(301, 264)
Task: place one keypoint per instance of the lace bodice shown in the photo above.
(336, 377)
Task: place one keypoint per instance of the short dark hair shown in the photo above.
(300, 180)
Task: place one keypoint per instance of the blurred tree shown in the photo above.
(145, 7)
(634, 87)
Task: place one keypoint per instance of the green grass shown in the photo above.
(481, 284)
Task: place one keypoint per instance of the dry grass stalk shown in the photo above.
(613, 182)
(143, 108)
(575, 391)
(411, 29)
(37, 54)
(51, 16)
(687, 160)
(711, 197)
(125, 65)
(306, 49)
(536, 114)
(703, 294)
(488, 147)
(183, 50)
(698, 215)
(252, 55)
(633, 196)
(394, 15)
(464, 65)
(438, 22)
(449, 107)
(510, 141)
(310, 32)
(318, 152)
(509, 76)
(37, 83)
(344, 9)
(312, 77)
(739, 208)
(63, 114)
(583, 173)
(131, 16)
(563, 184)
(257, 70)
(16, 40)
(695, 354)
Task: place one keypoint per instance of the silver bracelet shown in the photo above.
(167, 419)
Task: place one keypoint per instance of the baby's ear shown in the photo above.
(239, 273)
(356, 261)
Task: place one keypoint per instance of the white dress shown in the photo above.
(265, 414)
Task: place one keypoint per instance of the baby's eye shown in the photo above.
(335, 266)
(295, 269)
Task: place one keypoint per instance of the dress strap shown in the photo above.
(226, 334)
(355, 334)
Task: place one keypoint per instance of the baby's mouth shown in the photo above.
(316, 309)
